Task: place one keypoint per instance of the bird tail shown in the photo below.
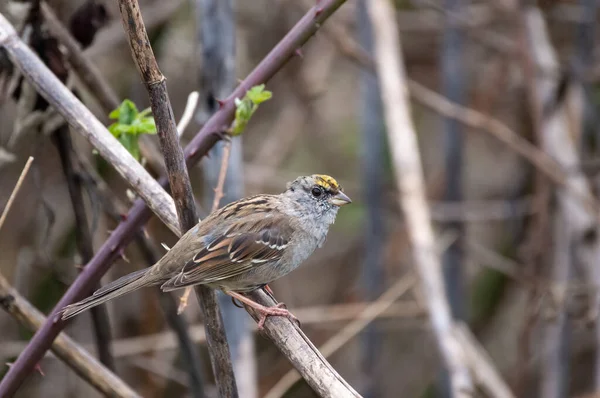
(123, 285)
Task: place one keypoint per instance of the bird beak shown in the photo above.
(340, 199)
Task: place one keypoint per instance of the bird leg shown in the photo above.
(268, 290)
(264, 311)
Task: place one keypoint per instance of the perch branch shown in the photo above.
(409, 178)
(294, 344)
(370, 313)
(179, 181)
(139, 214)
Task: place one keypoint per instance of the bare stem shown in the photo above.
(15, 191)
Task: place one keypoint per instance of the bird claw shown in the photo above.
(277, 310)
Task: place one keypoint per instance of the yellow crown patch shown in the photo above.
(327, 182)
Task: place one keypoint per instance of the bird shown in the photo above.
(241, 247)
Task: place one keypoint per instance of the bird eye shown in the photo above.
(317, 191)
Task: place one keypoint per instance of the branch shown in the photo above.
(139, 214)
(302, 354)
(179, 181)
(76, 357)
(370, 313)
(409, 178)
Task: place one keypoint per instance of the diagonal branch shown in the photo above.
(139, 214)
(179, 181)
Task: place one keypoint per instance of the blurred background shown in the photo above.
(519, 253)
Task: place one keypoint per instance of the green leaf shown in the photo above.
(130, 124)
(258, 95)
(246, 107)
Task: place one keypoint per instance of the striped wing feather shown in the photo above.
(243, 246)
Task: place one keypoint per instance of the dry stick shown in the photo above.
(218, 196)
(75, 356)
(83, 239)
(285, 50)
(188, 112)
(84, 122)
(487, 375)
(294, 344)
(15, 191)
(409, 178)
(179, 182)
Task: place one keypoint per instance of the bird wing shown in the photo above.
(244, 245)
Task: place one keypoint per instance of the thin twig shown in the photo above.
(15, 191)
(179, 181)
(409, 178)
(183, 300)
(487, 375)
(188, 112)
(222, 173)
(75, 356)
